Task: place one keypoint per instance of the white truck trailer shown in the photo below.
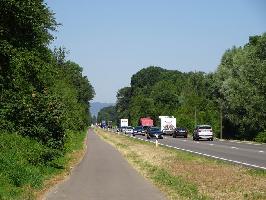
(123, 122)
(168, 124)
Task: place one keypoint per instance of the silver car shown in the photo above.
(203, 132)
(129, 130)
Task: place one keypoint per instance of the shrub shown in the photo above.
(261, 137)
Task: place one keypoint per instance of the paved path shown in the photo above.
(104, 174)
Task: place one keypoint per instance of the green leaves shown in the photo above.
(155, 91)
(237, 88)
(42, 94)
(26, 23)
(108, 114)
(242, 75)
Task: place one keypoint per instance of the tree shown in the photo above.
(40, 97)
(242, 77)
(123, 102)
(108, 114)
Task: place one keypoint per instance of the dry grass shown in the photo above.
(213, 179)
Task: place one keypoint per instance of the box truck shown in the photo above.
(103, 124)
(168, 124)
(123, 122)
(146, 121)
(123, 125)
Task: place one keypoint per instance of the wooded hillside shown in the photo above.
(236, 91)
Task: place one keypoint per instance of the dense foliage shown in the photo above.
(108, 114)
(42, 94)
(25, 163)
(44, 100)
(234, 93)
(170, 93)
(241, 85)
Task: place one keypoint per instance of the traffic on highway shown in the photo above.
(201, 142)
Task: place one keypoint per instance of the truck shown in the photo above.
(123, 125)
(123, 122)
(109, 124)
(146, 121)
(168, 124)
(103, 124)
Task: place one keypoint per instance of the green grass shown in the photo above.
(183, 175)
(257, 172)
(25, 164)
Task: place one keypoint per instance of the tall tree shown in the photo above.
(242, 76)
(108, 114)
(39, 98)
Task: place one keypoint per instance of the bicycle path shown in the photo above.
(104, 174)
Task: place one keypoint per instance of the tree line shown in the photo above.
(233, 96)
(43, 95)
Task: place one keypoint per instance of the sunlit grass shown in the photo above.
(182, 175)
(28, 168)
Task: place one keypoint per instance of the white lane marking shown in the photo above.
(184, 140)
(197, 142)
(241, 142)
(216, 157)
(211, 144)
(234, 148)
(261, 151)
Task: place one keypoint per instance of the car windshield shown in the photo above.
(138, 127)
(205, 127)
(181, 129)
(154, 129)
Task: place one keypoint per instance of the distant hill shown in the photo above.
(97, 106)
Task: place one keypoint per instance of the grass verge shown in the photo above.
(28, 168)
(182, 175)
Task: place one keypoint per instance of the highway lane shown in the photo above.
(244, 153)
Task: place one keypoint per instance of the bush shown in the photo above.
(24, 163)
(261, 137)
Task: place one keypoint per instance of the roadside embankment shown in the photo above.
(28, 168)
(182, 175)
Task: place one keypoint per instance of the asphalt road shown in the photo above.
(239, 152)
(104, 174)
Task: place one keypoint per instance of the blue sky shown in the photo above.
(114, 39)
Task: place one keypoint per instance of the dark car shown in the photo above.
(138, 130)
(154, 132)
(180, 132)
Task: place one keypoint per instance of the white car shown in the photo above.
(203, 132)
(129, 130)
